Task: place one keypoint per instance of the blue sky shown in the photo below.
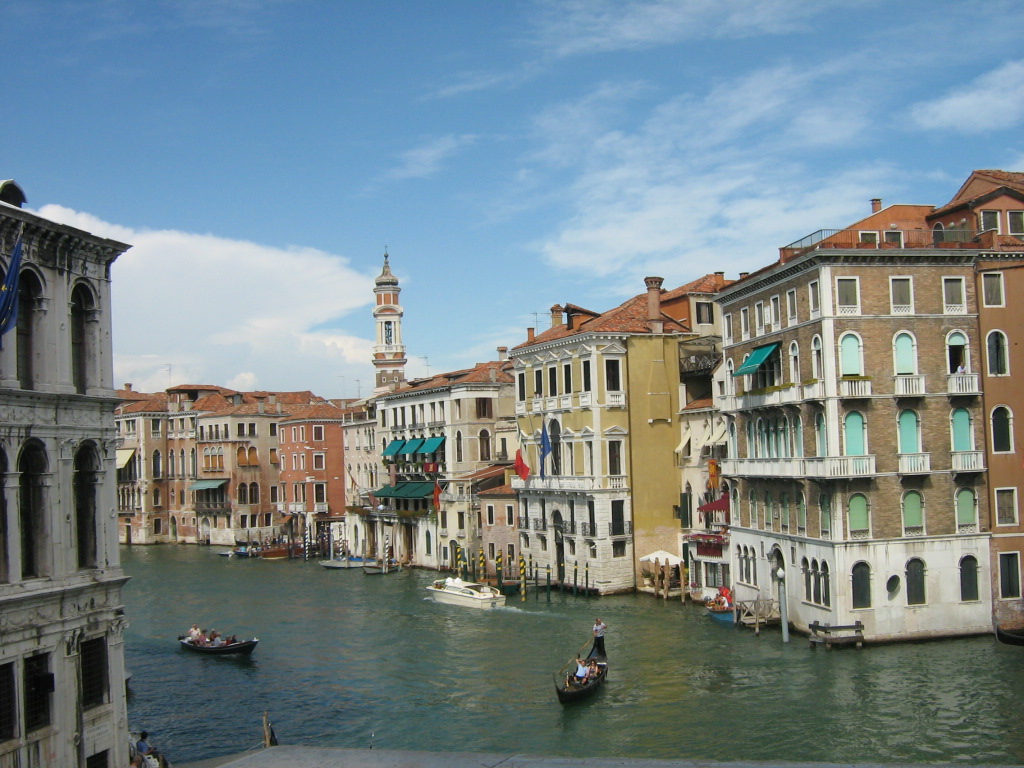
(261, 154)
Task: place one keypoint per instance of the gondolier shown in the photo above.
(599, 629)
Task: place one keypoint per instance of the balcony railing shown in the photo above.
(769, 397)
(523, 523)
(540, 524)
(906, 385)
(855, 387)
(814, 390)
(968, 461)
(915, 463)
(839, 466)
(616, 399)
(962, 384)
(880, 239)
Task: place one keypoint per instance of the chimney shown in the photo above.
(128, 386)
(743, 275)
(493, 375)
(876, 204)
(502, 354)
(654, 321)
(556, 316)
(719, 279)
(529, 335)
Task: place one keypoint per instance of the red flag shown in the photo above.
(437, 495)
(520, 466)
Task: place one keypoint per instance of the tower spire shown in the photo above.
(389, 356)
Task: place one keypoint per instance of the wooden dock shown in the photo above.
(756, 613)
(836, 635)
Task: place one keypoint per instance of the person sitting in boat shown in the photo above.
(592, 669)
(193, 633)
(582, 671)
(216, 641)
(200, 638)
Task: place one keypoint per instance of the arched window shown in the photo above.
(915, 582)
(858, 513)
(170, 463)
(801, 513)
(961, 430)
(904, 354)
(825, 513)
(220, 458)
(798, 436)
(817, 366)
(968, 578)
(1002, 430)
(254, 493)
(913, 512)
(861, 585)
(252, 457)
(427, 542)
(816, 580)
(85, 484)
(157, 466)
(806, 568)
(966, 507)
(937, 233)
(243, 493)
(855, 435)
(850, 362)
(820, 434)
(81, 347)
(485, 446)
(4, 562)
(156, 503)
(956, 353)
(181, 463)
(30, 294)
(998, 364)
(458, 446)
(733, 446)
(794, 363)
(752, 505)
(193, 469)
(909, 432)
(826, 589)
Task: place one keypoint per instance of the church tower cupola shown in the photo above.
(388, 352)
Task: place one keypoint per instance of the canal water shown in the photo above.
(355, 661)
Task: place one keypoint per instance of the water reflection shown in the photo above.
(348, 660)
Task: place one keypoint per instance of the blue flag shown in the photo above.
(9, 292)
(545, 447)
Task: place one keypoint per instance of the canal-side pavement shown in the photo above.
(319, 757)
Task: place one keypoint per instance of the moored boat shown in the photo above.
(1010, 636)
(569, 689)
(281, 551)
(347, 562)
(374, 568)
(240, 648)
(467, 593)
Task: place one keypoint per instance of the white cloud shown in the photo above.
(219, 311)
(595, 26)
(427, 159)
(991, 102)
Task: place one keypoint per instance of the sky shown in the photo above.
(261, 156)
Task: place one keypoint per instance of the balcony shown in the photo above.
(616, 399)
(962, 384)
(523, 523)
(785, 467)
(855, 387)
(586, 399)
(814, 390)
(882, 239)
(824, 467)
(539, 524)
(908, 385)
(565, 402)
(968, 461)
(771, 396)
(915, 463)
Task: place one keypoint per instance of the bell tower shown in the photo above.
(389, 352)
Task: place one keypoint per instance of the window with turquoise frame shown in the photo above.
(966, 507)
(858, 513)
(913, 512)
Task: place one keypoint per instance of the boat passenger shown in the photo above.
(201, 638)
(592, 669)
(216, 640)
(193, 633)
(582, 671)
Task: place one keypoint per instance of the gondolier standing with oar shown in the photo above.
(599, 630)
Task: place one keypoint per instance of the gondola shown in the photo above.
(568, 690)
(241, 648)
(1010, 636)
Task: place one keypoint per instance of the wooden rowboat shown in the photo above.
(566, 687)
(241, 648)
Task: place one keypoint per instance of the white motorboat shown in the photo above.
(468, 593)
(347, 562)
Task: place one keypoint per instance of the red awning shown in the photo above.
(720, 504)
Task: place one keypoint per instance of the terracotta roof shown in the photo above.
(316, 411)
(151, 404)
(501, 490)
(495, 470)
(706, 284)
(699, 403)
(478, 374)
(629, 317)
(991, 180)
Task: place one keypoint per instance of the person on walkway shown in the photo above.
(147, 750)
(599, 629)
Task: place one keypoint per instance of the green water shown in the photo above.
(352, 661)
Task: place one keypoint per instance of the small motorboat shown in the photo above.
(720, 608)
(468, 593)
(347, 562)
(240, 648)
(1010, 636)
(375, 568)
(569, 689)
(281, 551)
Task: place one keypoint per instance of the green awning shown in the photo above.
(386, 492)
(416, 490)
(756, 359)
(393, 447)
(205, 485)
(431, 444)
(413, 446)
